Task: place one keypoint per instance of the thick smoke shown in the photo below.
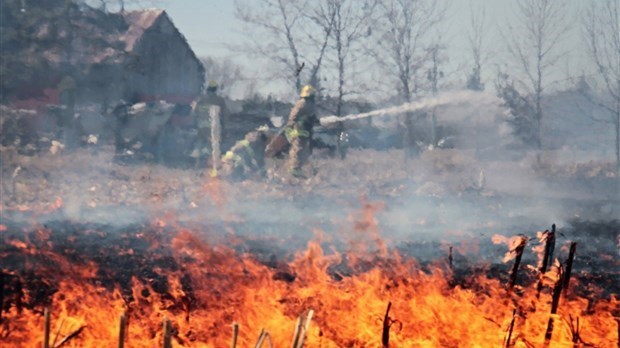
(481, 186)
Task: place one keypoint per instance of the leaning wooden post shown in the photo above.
(555, 302)
(385, 334)
(261, 338)
(387, 324)
(264, 336)
(551, 246)
(235, 327)
(450, 258)
(296, 334)
(511, 328)
(547, 257)
(122, 331)
(167, 334)
(216, 137)
(304, 332)
(1, 294)
(46, 337)
(618, 323)
(515, 267)
(569, 266)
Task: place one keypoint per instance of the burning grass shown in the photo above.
(169, 283)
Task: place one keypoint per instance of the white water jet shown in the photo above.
(451, 99)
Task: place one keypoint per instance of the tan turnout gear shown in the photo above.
(201, 110)
(246, 157)
(298, 129)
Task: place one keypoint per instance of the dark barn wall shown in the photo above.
(163, 66)
(103, 84)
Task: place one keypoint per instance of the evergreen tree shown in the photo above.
(522, 115)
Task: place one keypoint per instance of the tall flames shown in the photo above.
(89, 277)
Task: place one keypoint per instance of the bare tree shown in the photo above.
(405, 33)
(433, 76)
(352, 23)
(476, 37)
(533, 42)
(406, 30)
(284, 29)
(601, 24)
(322, 14)
(227, 74)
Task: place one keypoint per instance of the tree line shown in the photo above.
(359, 47)
(350, 49)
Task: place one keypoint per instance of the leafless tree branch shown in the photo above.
(534, 42)
(601, 28)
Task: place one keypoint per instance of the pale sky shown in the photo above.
(209, 25)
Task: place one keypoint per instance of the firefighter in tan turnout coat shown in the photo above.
(246, 157)
(298, 129)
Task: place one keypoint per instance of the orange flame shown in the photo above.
(203, 288)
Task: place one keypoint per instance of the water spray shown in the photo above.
(455, 98)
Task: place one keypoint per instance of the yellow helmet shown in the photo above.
(212, 84)
(307, 91)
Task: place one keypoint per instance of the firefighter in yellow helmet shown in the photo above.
(247, 157)
(202, 121)
(298, 129)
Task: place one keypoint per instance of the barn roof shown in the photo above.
(139, 22)
(91, 43)
(100, 37)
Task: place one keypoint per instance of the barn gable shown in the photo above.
(156, 48)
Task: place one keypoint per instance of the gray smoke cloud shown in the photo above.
(481, 187)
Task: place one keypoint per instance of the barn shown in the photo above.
(132, 56)
(159, 64)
